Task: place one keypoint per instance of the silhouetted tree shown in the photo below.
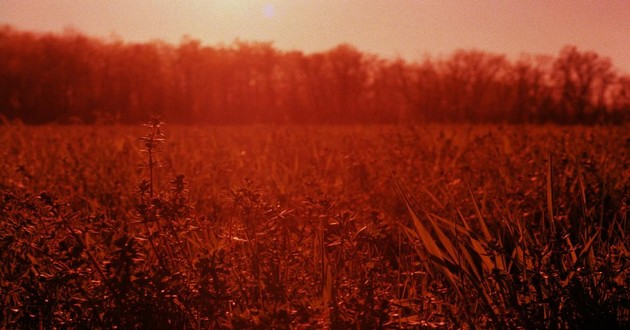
(422, 88)
(468, 77)
(385, 100)
(581, 80)
(349, 77)
(69, 77)
(531, 95)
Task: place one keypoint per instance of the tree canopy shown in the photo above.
(71, 77)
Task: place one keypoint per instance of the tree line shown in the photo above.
(70, 77)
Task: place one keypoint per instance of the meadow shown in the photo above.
(297, 227)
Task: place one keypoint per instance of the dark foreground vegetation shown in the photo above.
(310, 227)
(69, 78)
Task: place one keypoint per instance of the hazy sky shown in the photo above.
(406, 28)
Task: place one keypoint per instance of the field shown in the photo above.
(438, 226)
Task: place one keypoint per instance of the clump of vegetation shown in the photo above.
(513, 274)
(455, 227)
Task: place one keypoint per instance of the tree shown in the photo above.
(581, 80)
(349, 76)
(530, 100)
(422, 91)
(467, 78)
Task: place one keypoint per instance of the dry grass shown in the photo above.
(309, 227)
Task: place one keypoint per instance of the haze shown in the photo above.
(401, 28)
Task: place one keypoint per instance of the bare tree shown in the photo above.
(581, 80)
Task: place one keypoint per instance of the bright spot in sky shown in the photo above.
(269, 10)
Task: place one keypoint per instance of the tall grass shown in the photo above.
(509, 274)
(252, 227)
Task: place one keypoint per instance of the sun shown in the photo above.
(269, 10)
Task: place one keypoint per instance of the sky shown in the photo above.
(410, 29)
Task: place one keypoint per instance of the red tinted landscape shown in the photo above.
(150, 185)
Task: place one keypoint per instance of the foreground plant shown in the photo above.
(508, 274)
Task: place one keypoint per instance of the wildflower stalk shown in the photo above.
(151, 141)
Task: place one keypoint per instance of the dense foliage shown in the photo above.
(340, 227)
(69, 78)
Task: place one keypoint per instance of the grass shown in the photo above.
(314, 227)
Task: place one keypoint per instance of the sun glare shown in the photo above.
(246, 10)
(269, 11)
